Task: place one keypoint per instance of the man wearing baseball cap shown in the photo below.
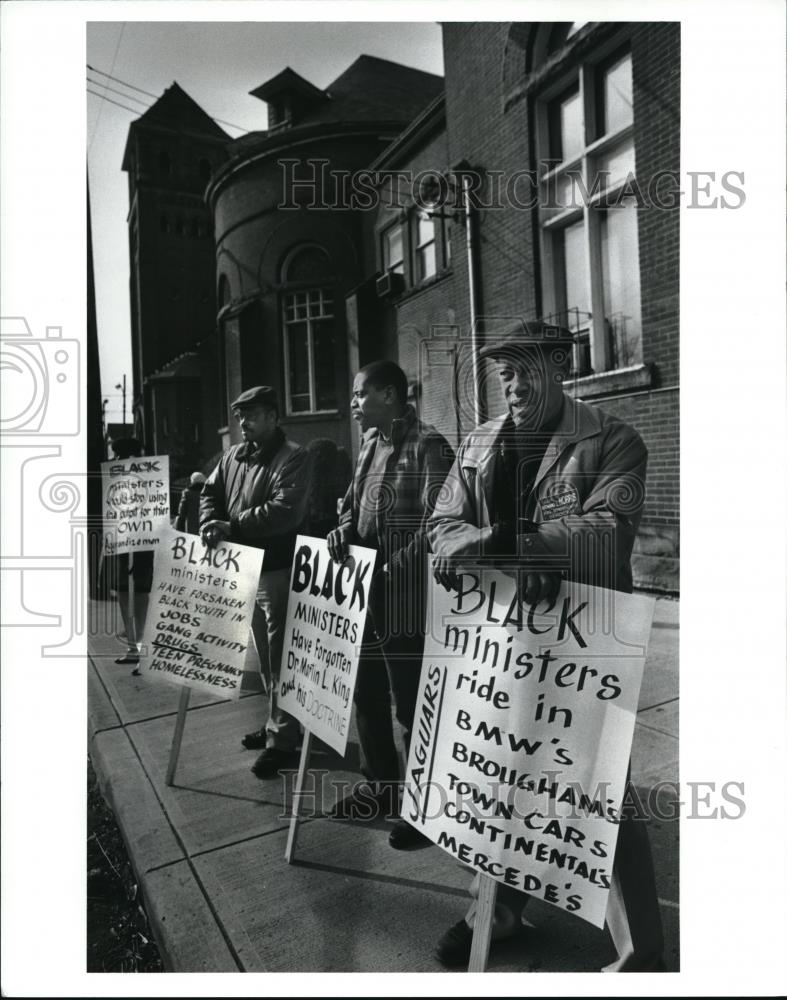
(258, 495)
(551, 489)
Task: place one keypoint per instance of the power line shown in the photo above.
(114, 90)
(125, 83)
(95, 93)
(101, 106)
(118, 80)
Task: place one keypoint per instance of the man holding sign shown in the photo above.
(551, 491)
(398, 476)
(258, 495)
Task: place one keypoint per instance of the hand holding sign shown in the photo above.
(215, 532)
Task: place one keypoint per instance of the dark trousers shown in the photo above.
(390, 664)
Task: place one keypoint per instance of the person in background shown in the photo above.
(258, 495)
(554, 487)
(399, 473)
(188, 511)
(331, 475)
(117, 569)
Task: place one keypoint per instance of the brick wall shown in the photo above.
(656, 76)
(487, 129)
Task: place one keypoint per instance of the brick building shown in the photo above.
(288, 251)
(568, 135)
(396, 214)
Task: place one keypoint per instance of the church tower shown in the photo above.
(171, 152)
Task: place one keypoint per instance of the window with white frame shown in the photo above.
(424, 246)
(393, 249)
(588, 218)
(309, 351)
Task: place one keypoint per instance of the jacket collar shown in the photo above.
(400, 428)
(251, 452)
(578, 421)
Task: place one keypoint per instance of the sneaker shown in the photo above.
(453, 948)
(404, 836)
(256, 740)
(271, 761)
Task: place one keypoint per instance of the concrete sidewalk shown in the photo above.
(209, 850)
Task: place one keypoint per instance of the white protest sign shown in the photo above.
(199, 615)
(326, 613)
(523, 732)
(135, 502)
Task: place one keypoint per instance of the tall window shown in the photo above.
(588, 220)
(309, 351)
(424, 245)
(393, 249)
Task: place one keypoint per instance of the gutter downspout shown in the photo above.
(473, 292)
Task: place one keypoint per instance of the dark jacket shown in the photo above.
(188, 511)
(413, 478)
(263, 494)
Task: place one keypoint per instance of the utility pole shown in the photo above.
(123, 387)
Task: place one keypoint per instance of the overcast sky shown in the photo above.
(216, 64)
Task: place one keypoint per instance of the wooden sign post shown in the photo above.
(177, 738)
(482, 929)
(303, 766)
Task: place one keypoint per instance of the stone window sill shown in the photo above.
(632, 379)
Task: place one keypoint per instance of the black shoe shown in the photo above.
(271, 761)
(255, 741)
(367, 802)
(405, 836)
(453, 948)
(128, 658)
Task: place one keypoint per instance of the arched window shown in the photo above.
(310, 348)
(588, 202)
(307, 263)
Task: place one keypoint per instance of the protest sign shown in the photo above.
(326, 614)
(135, 502)
(200, 610)
(523, 731)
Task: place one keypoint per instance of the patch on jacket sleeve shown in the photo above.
(560, 501)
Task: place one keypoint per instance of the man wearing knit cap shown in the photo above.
(552, 489)
(258, 495)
